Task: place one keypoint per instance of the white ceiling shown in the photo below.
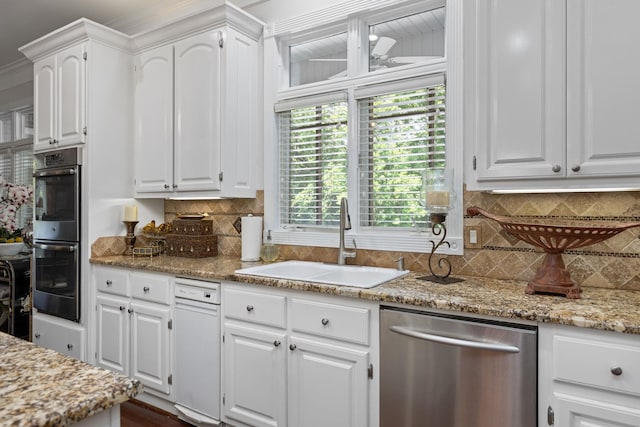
(22, 21)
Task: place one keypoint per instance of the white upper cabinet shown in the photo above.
(196, 106)
(549, 88)
(602, 87)
(154, 120)
(197, 112)
(60, 99)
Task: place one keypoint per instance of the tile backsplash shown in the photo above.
(614, 263)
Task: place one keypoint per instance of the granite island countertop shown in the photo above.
(598, 308)
(41, 387)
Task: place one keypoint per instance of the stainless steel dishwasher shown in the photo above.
(453, 371)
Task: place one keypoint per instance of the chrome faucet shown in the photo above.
(345, 224)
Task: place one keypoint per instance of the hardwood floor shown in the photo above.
(134, 413)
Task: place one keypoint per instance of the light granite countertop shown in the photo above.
(598, 308)
(41, 387)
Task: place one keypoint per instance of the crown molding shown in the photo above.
(16, 73)
(74, 33)
(225, 14)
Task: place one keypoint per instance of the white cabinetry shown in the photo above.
(59, 335)
(546, 108)
(59, 99)
(298, 360)
(134, 325)
(588, 377)
(196, 107)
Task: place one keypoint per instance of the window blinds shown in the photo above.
(313, 162)
(401, 135)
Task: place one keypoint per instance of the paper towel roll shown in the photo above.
(251, 238)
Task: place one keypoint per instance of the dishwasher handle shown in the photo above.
(454, 341)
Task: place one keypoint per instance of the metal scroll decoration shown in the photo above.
(438, 228)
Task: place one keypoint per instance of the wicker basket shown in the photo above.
(197, 227)
(192, 246)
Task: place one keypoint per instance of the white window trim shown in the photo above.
(392, 240)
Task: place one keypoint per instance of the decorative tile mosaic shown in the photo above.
(614, 263)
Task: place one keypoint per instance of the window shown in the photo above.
(401, 135)
(16, 153)
(366, 129)
(313, 160)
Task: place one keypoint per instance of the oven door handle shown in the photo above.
(454, 341)
(59, 248)
(55, 172)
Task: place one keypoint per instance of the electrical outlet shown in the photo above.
(473, 237)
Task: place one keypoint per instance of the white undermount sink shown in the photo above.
(330, 274)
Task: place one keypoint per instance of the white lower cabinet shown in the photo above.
(133, 326)
(61, 335)
(298, 359)
(588, 377)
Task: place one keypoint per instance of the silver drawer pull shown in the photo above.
(122, 308)
(109, 283)
(249, 308)
(292, 347)
(146, 289)
(37, 335)
(69, 346)
(617, 370)
(325, 321)
(276, 343)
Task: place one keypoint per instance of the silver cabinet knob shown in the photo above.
(556, 168)
(292, 347)
(145, 289)
(69, 346)
(249, 308)
(575, 168)
(617, 370)
(325, 321)
(109, 283)
(166, 186)
(130, 311)
(37, 335)
(122, 308)
(276, 343)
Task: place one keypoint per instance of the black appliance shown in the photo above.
(15, 287)
(56, 233)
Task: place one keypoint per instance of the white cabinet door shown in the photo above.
(44, 98)
(578, 412)
(112, 327)
(60, 99)
(328, 385)
(255, 373)
(197, 112)
(602, 88)
(71, 94)
(150, 345)
(516, 96)
(154, 120)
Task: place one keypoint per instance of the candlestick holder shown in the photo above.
(438, 185)
(130, 238)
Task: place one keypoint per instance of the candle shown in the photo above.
(437, 198)
(130, 213)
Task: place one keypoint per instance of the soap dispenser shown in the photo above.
(269, 251)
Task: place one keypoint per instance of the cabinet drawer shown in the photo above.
(331, 320)
(255, 307)
(57, 335)
(113, 281)
(603, 365)
(151, 287)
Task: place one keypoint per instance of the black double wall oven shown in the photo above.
(56, 233)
